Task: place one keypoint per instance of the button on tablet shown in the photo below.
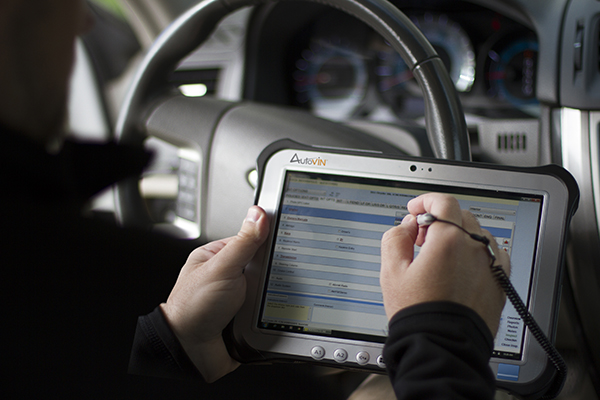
(380, 361)
(362, 357)
(317, 352)
(340, 355)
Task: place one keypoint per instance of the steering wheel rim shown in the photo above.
(445, 123)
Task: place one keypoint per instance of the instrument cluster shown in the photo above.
(340, 69)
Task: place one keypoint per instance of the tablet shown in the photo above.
(313, 289)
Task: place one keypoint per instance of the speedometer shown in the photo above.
(452, 45)
(331, 77)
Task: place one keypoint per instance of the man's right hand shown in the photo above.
(450, 266)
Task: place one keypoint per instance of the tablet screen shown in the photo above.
(323, 271)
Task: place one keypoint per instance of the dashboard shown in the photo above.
(316, 58)
(340, 69)
(491, 60)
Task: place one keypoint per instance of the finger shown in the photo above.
(443, 236)
(470, 222)
(397, 246)
(240, 249)
(442, 206)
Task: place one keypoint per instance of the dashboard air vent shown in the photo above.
(512, 142)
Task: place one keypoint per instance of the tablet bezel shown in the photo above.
(560, 195)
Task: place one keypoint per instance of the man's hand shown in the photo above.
(450, 266)
(210, 289)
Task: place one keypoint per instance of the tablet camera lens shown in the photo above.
(413, 168)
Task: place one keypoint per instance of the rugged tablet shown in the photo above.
(313, 291)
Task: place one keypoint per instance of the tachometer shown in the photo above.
(454, 47)
(331, 77)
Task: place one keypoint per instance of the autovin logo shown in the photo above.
(308, 161)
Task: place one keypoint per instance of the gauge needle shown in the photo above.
(395, 80)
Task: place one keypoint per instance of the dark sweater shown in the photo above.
(73, 288)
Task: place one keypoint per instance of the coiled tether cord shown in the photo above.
(515, 299)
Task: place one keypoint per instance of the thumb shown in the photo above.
(397, 247)
(255, 226)
(241, 248)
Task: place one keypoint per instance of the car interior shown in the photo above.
(207, 90)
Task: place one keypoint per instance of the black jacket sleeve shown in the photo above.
(157, 352)
(439, 350)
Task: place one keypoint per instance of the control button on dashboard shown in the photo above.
(340, 355)
(380, 361)
(317, 352)
(362, 358)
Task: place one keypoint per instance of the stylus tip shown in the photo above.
(425, 219)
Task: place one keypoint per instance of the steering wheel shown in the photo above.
(219, 141)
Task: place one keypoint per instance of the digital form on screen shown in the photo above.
(324, 266)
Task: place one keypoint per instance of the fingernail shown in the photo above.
(253, 215)
(407, 218)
